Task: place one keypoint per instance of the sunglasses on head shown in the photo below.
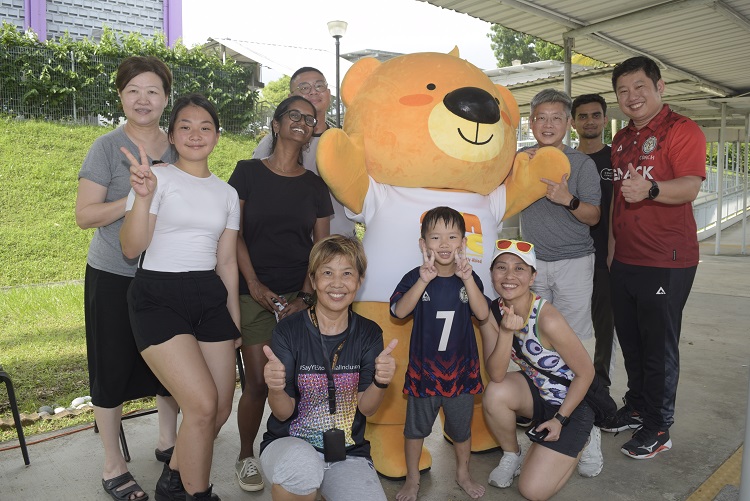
(296, 116)
(520, 245)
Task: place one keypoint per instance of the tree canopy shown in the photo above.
(276, 91)
(508, 45)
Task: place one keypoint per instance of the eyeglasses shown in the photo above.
(520, 245)
(296, 116)
(319, 86)
(554, 119)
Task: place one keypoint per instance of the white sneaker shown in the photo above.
(591, 462)
(507, 470)
(248, 474)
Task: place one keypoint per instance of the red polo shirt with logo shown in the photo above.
(649, 233)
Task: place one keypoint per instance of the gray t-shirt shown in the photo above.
(554, 231)
(107, 166)
(339, 222)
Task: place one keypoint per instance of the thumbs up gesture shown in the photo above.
(274, 372)
(635, 188)
(385, 364)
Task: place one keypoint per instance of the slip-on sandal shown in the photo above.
(164, 456)
(112, 484)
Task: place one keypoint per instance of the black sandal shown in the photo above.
(164, 456)
(111, 485)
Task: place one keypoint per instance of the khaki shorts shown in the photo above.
(256, 322)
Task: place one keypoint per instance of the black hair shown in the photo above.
(194, 99)
(451, 217)
(648, 65)
(133, 66)
(586, 99)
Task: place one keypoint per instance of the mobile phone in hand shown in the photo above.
(536, 435)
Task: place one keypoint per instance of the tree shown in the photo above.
(276, 91)
(508, 44)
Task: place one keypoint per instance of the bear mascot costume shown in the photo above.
(424, 130)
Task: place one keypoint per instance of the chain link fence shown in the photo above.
(40, 83)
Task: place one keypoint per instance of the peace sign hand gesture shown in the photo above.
(427, 271)
(142, 179)
(463, 267)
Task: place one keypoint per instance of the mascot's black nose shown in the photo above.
(473, 104)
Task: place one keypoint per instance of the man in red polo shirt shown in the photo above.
(659, 162)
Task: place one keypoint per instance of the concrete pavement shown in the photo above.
(709, 424)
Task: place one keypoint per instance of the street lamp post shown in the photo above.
(337, 29)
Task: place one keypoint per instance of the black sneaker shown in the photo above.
(646, 444)
(625, 418)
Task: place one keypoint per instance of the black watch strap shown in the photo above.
(306, 297)
(574, 203)
(564, 420)
(379, 385)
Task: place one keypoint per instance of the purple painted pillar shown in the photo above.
(35, 17)
(172, 21)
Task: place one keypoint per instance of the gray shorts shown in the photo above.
(298, 467)
(422, 411)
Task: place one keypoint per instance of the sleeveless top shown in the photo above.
(541, 357)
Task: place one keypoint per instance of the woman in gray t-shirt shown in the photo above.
(117, 372)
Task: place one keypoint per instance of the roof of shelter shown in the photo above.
(700, 46)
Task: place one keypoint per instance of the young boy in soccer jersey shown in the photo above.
(443, 371)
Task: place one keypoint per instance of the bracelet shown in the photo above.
(379, 385)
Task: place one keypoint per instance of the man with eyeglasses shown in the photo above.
(310, 83)
(558, 224)
(659, 162)
(589, 120)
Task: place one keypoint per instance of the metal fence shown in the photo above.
(42, 83)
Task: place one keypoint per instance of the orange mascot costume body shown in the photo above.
(424, 130)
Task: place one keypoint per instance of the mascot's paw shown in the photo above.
(524, 185)
(387, 450)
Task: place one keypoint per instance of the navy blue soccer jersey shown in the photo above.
(443, 354)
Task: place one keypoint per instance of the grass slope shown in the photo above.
(43, 257)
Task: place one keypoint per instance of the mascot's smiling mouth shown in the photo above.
(476, 137)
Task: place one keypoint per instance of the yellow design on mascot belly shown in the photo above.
(423, 130)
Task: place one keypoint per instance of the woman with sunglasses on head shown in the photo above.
(285, 209)
(183, 222)
(117, 372)
(556, 372)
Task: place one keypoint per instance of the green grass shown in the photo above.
(43, 258)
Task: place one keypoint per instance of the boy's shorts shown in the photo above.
(163, 305)
(422, 411)
(256, 322)
(573, 437)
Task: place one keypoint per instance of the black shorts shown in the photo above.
(163, 305)
(117, 372)
(573, 437)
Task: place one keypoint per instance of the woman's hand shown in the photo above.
(385, 364)
(294, 306)
(274, 372)
(141, 178)
(264, 296)
(510, 321)
(554, 426)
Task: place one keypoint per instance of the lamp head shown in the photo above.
(337, 29)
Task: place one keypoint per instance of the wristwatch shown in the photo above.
(306, 297)
(574, 203)
(564, 420)
(653, 192)
(379, 385)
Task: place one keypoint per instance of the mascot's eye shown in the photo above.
(431, 86)
(497, 100)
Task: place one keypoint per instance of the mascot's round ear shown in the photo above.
(355, 77)
(510, 102)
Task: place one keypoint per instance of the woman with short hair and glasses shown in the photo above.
(556, 372)
(284, 210)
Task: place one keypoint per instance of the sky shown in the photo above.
(402, 26)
